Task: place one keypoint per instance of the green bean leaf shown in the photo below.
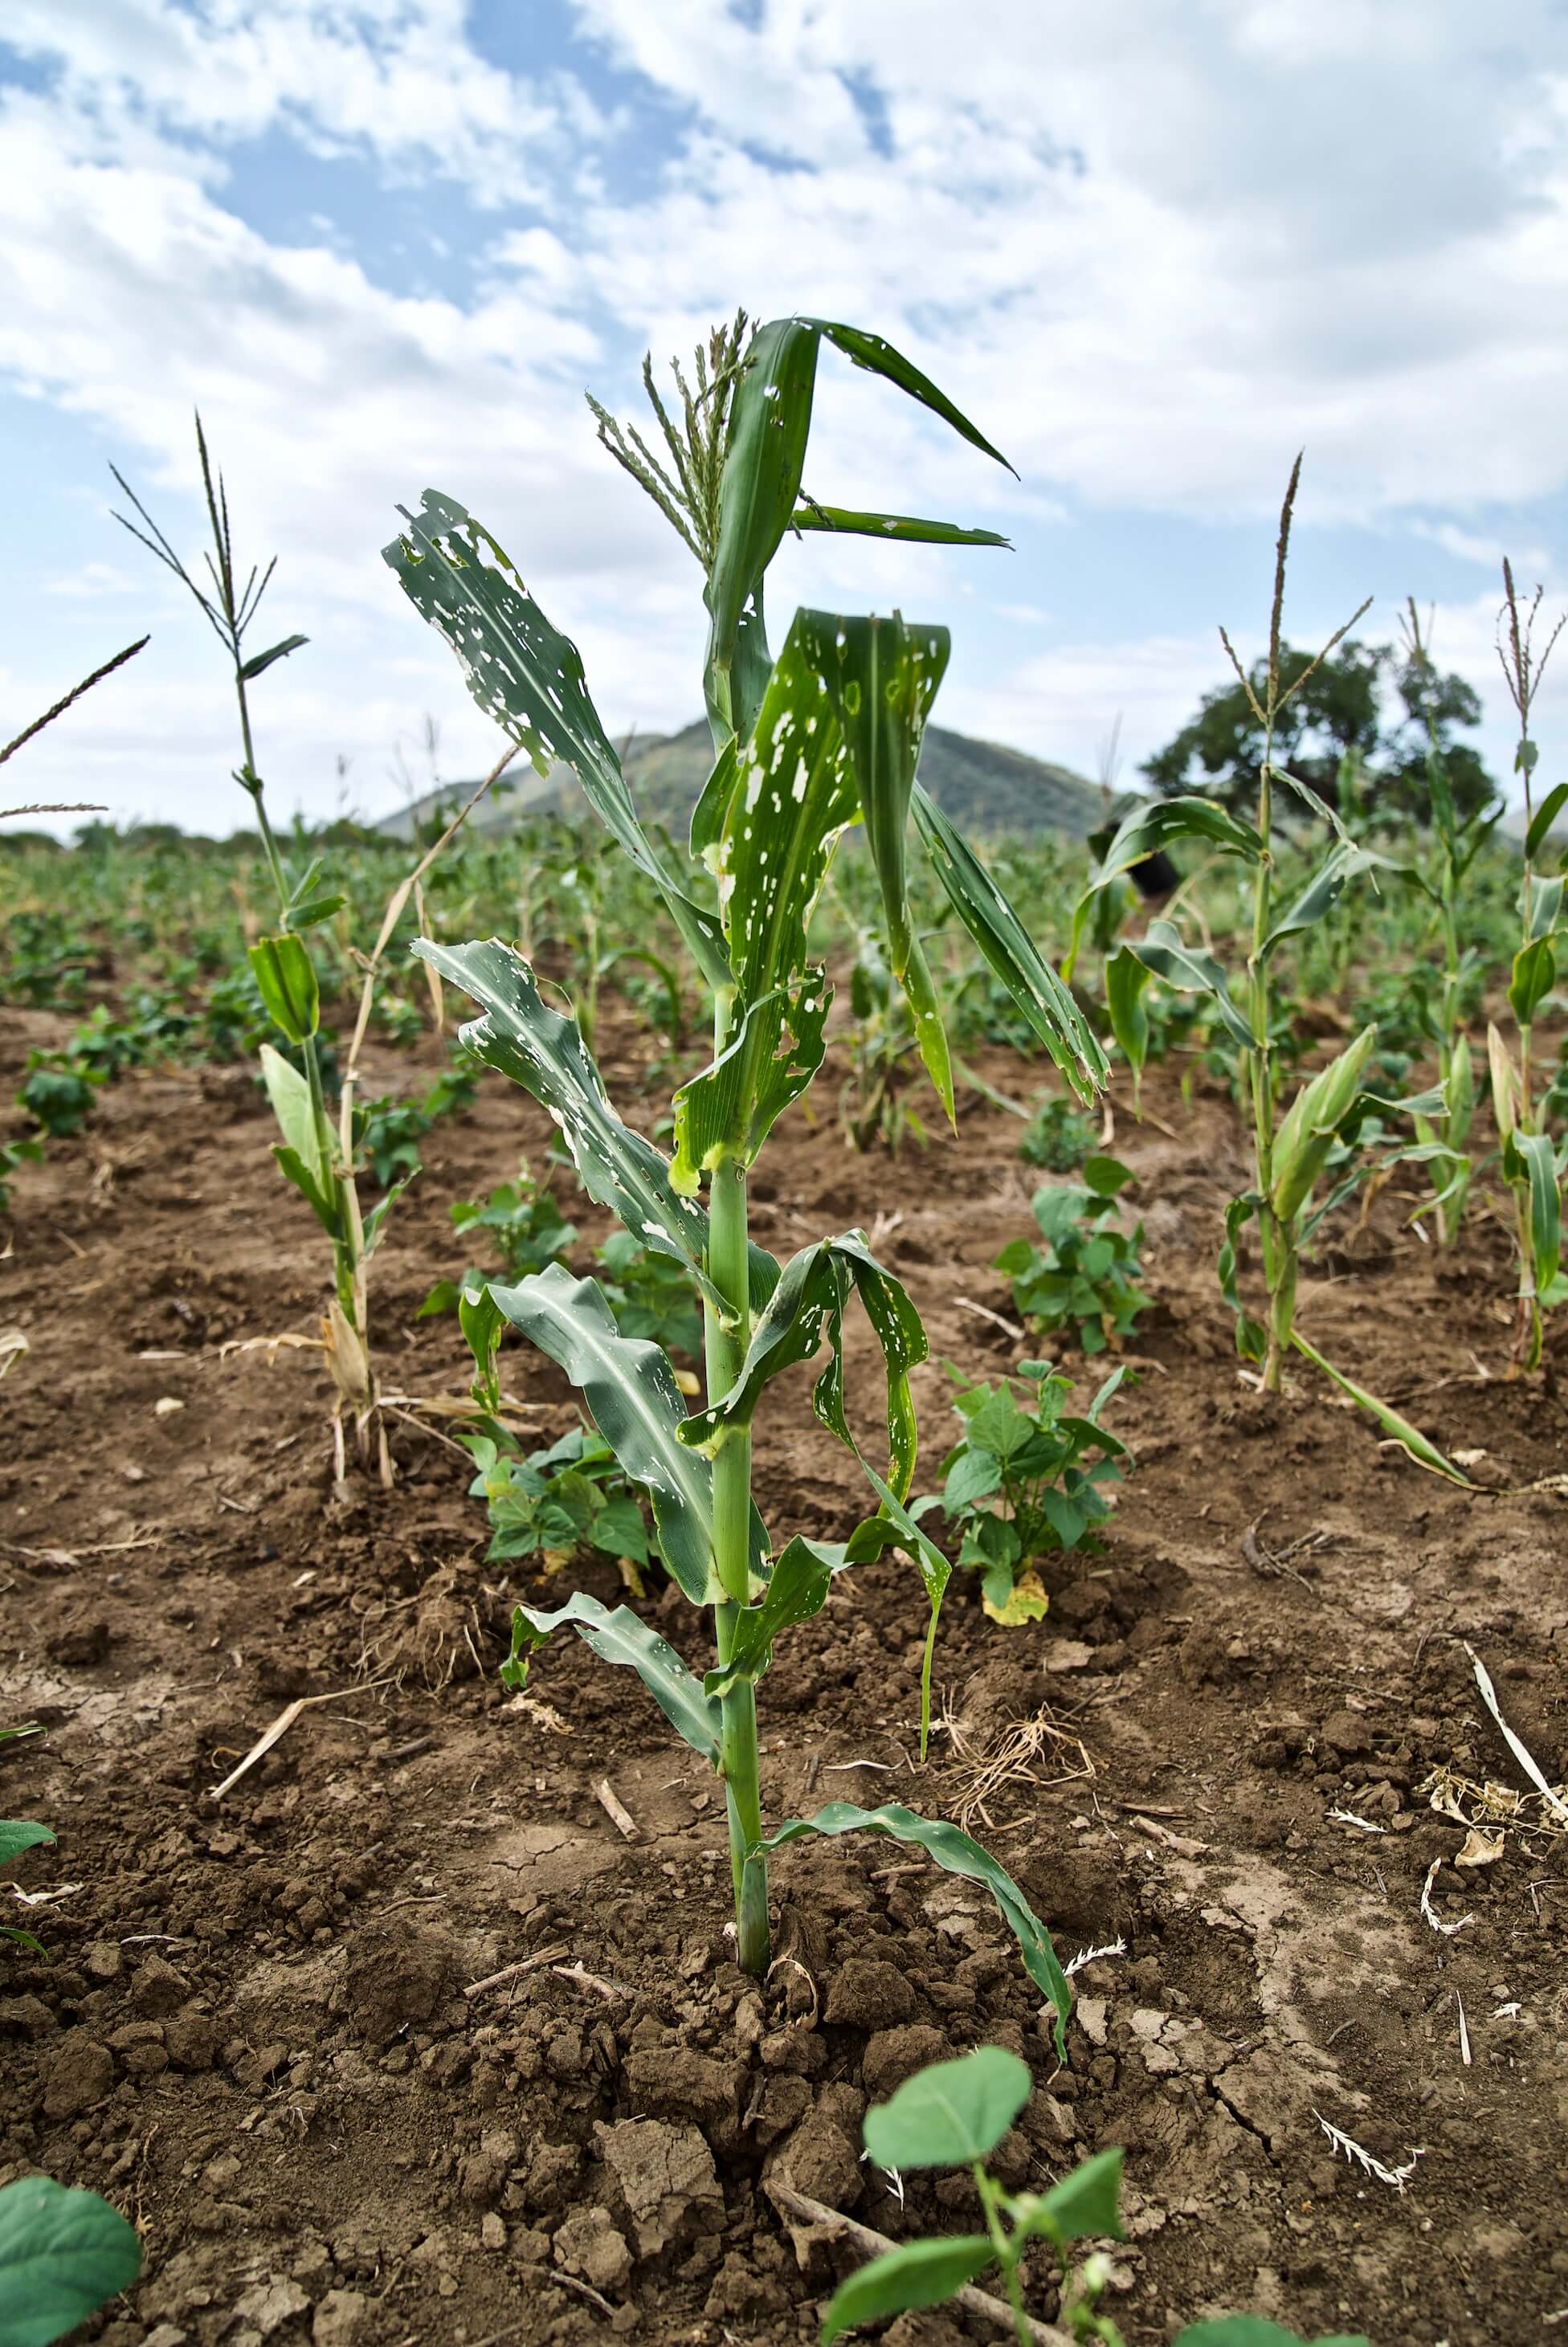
(286, 977)
(1083, 2206)
(950, 2114)
(62, 2253)
(17, 1834)
(915, 2273)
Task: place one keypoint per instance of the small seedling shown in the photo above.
(1025, 1481)
(57, 1093)
(954, 2115)
(1085, 1277)
(1058, 1136)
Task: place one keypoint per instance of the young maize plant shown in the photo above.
(1532, 1166)
(317, 1153)
(826, 735)
(1455, 846)
(1322, 1123)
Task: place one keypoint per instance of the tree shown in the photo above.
(1337, 714)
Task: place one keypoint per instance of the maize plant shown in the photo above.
(1291, 1152)
(1455, 846)
(317, 1153)
(824, 736)
(1532, 1166)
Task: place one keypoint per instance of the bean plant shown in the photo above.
(955, 2115)
(823, 737)
(1023, 1481)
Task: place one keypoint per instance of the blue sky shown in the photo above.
(1152, 250)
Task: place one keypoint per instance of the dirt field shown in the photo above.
(253, 2028)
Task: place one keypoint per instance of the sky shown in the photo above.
(387, 244)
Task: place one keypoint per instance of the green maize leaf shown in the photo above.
(1545, 906)
(1307, 1130)
(1192, 971)
(17, 1834)
(915, 2273)
(376, 1221)
(1308, 797)
(900, 528)
(482, 1321)
(769, 422)
(1011, 952)
(1125, 979)
(315, 910)
(1541, 821)
(529, 678)
(877, 357)
(1083, 2206)
(797, 1588)
(287, 978)
(623, 1638)
(544, 1052)
(1528, 1157)
(795, 793)
(62, 2253)
(950, 2114)
(882, 677)
(1254, 2330)
(629, 1388)
(1534, 974)
(1344, 861)
(712, 804)
(730, 1109)
(1147, 830)
(300, 1155)
(1251, 1335)
(1409, 1438)
(955, 1851)
(1158, 823)
(259, 663)
(807, 1305)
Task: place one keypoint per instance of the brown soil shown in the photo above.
(251, 2028)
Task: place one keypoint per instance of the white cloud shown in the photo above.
(1152, 250)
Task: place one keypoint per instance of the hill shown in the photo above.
(983, 785)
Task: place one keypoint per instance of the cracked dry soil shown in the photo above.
(252, 2027)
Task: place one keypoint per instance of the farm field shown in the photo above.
(250, 2026)
(1034, 1361)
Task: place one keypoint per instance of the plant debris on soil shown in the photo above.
(426, 2027)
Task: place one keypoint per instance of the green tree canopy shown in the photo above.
(1359, 725)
